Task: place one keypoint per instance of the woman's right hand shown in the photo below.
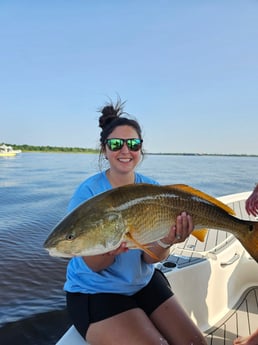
(99, 262)
(121, 249)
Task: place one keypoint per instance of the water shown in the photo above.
(34, 191)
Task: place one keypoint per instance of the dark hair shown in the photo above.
(112, 117)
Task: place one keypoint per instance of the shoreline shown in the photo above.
(56, 149)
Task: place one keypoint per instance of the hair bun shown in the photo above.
(110, 113)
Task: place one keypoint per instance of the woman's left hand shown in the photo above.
(178, 233)
(181, 230)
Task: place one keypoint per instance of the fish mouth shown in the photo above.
(56, 253)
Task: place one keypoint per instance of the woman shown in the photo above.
(119, 297)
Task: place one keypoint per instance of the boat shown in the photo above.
(7, 151)
(221, 293)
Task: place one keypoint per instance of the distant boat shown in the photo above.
(7, 151)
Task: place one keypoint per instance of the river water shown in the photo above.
(34, 191)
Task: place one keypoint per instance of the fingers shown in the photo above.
(251, 204)
(184, 226)
(181, 230)
(121, 249)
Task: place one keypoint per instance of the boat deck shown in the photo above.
(241, 320)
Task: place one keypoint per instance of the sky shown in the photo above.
(187, 69)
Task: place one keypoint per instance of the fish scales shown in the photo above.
(162, 210)
(142, 213)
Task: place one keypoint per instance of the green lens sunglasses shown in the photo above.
(115, 144)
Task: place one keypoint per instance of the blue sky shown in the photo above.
(188, 70)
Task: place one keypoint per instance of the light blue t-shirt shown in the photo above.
(127, 274)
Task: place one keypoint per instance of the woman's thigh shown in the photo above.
(175, 324)
(85, 309)
(127, 328)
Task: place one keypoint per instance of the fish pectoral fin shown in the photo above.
(200, 234)
(200, 194)
(129, 236)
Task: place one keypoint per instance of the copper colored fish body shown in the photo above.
(140, 214)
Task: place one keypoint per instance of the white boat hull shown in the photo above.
(7, 151)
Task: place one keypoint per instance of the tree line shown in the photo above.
(32, 148)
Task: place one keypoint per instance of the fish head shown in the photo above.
(88, 233)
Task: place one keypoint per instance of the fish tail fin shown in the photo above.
(204, 196)
(250, 240)
(142, 247)
(200, 234)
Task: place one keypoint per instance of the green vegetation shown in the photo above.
(30, 148)
(205, 154)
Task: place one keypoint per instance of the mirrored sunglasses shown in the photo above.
(115, 144)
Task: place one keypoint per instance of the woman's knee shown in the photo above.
(130, 327)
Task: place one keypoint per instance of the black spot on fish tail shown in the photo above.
(251, 227)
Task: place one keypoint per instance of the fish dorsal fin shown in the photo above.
(204, 196)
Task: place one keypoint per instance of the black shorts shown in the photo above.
(85, 309)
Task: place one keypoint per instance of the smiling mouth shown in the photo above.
(125, 160)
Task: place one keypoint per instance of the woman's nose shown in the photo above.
(124, 148)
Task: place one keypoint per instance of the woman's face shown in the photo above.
(123, 160)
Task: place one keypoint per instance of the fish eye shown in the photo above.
(70, 237)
